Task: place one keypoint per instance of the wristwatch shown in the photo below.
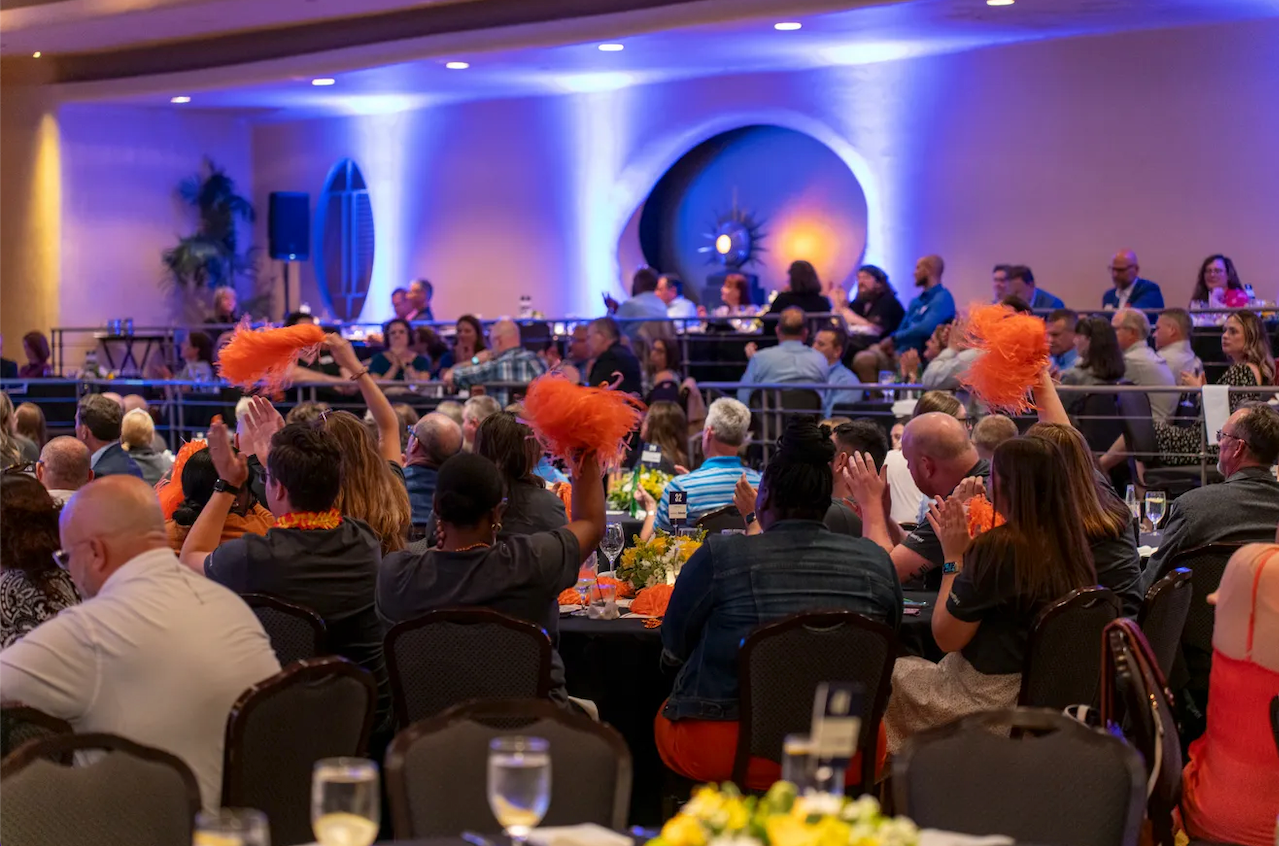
(475, 359)
(223, 486)
(950, 568)
(750, 518)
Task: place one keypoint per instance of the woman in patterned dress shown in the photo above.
(32, 587)
(1247, 346)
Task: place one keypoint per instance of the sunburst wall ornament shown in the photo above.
(736, 239)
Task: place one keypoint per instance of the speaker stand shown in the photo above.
(287, 309)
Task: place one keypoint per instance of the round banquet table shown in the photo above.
(617, 665)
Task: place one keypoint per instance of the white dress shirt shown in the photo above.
(158, 656)
(1143, 366)
(906, 497)
(1180, 358)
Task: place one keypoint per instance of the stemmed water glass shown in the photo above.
(586, 578)
(345, 807)
(612, 544)
(519, 783)
(239, 826)
(1156, 502)
(1134, 505)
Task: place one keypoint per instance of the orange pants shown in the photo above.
(704, 751)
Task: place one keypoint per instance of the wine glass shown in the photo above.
(613, 542)
(345, 808)
(519, 783)
(1134, 505)
(231, 827)
(1156, 502)
(888, 377)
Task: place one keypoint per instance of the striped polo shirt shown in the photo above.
(708, 487)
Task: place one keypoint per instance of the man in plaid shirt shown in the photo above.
(507, 361)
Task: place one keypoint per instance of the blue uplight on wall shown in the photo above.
(344, 234)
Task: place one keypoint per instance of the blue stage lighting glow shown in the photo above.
(589, 83)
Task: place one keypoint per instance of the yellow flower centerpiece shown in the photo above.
(723, 817)
(621, 494)
(656, 561)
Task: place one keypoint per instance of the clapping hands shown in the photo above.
(950, 523)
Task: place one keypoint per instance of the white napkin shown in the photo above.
(1216, 402)
(587, 834)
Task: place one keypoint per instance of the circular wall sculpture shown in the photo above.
(780, 195)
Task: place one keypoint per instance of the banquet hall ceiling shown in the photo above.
(260, 55)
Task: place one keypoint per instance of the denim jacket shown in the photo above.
(735, 583)
(420, 481)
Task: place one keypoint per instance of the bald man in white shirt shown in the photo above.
(155, 653)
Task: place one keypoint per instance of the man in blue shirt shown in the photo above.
(933, 307)
(1061, 338)
(711, 486)
(1021, 283)
(1130, 291)
(830, 342)
(644, 304)
(433, 440)
(790, 361)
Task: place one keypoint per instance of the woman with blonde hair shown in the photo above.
(372, 490)
(137, 434)
(30, 423)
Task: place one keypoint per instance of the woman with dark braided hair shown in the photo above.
(247, 516)
(735, 583)
(32, 587)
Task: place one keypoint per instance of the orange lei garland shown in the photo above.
(310, 520)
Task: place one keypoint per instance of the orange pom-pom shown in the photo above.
(652, 601)
(267, 355)
(982, 516)
(171, 494)
(570, 419)
(1014, 353)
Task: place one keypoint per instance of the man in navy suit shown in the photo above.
(1130, 291)
(97, 424)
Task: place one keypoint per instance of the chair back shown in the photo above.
(780, 666)
(1163, 616)
(436, 770)
(130, 795)
(1095, 420)
(1135, 696)
(278, 729)
(453, 655)
(20, 724)
(1139, 428)
(1274, 719)
(727, 517)
(1063, 656)
(296, 632)
(1206, 565)
(1059, 782)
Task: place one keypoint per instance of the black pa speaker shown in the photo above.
(289, 224)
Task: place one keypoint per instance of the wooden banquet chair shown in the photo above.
(132, 795)
(1063, 655)
(1058, 782)
(277, 730)
(1163, 616)
(1136, 698)
(296, 632)
(436, 768)
(453, 655)
(780, 666)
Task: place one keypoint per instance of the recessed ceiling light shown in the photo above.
(612, 48)
(35, 55)
(457, 65)
(324, 80)
(999, 2)
(788, 26)
(182, 98)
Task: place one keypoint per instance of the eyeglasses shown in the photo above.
(62, 557)
(1222, 433)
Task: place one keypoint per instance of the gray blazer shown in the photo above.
(1143, 366)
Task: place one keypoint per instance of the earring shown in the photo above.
(439, 534)
(497, 528)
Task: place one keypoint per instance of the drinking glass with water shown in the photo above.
(1134, 504)
(231, 827)
(1156, 503)
(519, 783)
(345, 808)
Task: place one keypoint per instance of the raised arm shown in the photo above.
(1049, 402)
(388, 422)
(588, 504)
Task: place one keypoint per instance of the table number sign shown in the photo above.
(678, 510)
(651, 455)
(837, 719)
